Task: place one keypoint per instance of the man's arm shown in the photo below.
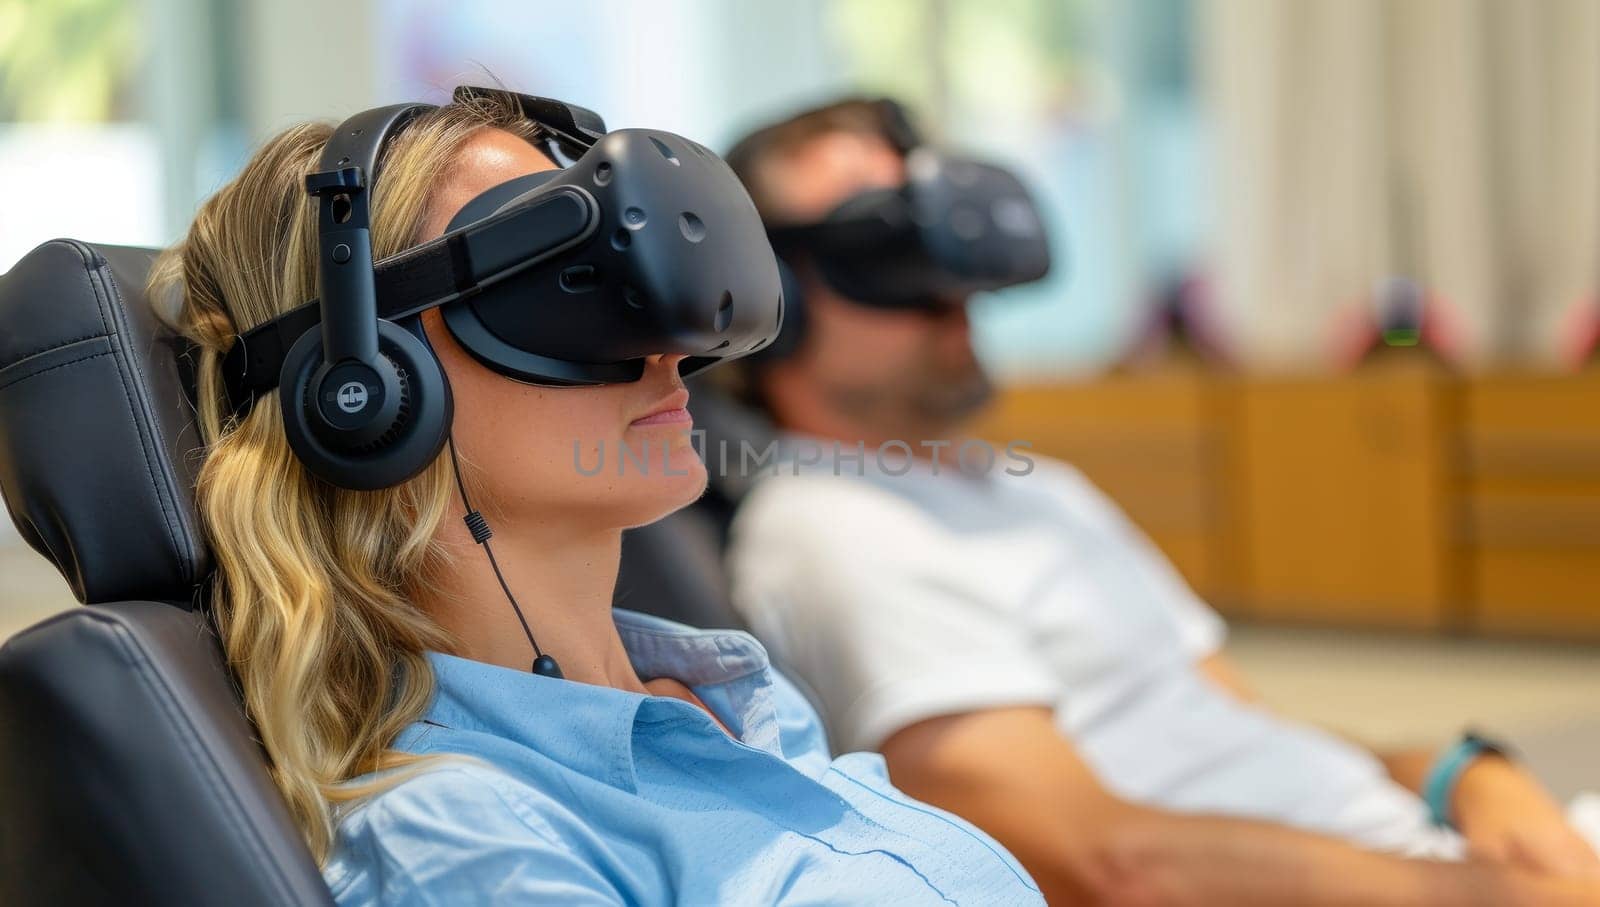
(1010, 772)
(1502, 810)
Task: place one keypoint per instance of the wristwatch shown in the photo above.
(1440, 786)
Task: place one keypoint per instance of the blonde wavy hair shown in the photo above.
(314, 589)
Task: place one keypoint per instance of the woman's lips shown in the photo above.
(670, 410)
(665, 417)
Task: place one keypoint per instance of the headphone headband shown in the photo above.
(359, 140)
(343, 188)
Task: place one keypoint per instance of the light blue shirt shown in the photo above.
(583, 794)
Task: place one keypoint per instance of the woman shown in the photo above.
(388, 677)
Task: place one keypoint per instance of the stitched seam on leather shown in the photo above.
(199, 754)
(59, 345)
(85, 257)
(134, 364)
(185, 562)
(88, 257)
(54, 367)
(109, 298)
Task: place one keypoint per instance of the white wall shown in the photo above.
(307, 60)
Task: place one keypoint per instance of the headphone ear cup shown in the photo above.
(408, 443)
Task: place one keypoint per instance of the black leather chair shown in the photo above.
(128, 771)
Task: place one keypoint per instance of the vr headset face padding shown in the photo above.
(676, 263)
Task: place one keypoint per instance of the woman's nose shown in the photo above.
(661, 362)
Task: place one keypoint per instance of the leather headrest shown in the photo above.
(98, 446)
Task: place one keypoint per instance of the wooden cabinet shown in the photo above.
(1341, 486)
(1396, 496)
(1529, 480)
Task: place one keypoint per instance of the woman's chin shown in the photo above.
(663, 492)
(642, 477)
(687, 478)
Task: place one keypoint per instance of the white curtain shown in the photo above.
(1453, 141)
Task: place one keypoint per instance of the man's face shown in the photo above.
(902, 374)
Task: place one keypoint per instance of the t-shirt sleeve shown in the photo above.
(1200, 628)
(456, 835)
(841, 580)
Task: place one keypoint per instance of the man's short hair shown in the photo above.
(751, 156)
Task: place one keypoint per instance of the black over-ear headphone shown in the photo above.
(365, 402)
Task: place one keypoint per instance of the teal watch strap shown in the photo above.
(1440, 787)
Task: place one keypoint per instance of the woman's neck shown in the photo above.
(563, 581)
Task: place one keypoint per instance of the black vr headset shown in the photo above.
(957, 226)
(645, 243)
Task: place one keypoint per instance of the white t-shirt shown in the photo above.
(902, 598)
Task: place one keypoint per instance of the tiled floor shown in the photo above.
(1386, 689)
(1402, 690)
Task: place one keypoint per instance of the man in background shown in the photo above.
(1023, 657)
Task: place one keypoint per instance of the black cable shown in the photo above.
(481, 533)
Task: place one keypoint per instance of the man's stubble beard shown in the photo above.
(928, 404)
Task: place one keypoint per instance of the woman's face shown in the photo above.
(568, 458)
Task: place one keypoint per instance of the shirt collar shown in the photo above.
(589, 728)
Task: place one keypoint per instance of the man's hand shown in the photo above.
(1508, 817)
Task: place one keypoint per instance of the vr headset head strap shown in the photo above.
(349, 287)
(570, 128)
(444, 270)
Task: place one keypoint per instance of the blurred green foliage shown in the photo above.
(68, 60)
